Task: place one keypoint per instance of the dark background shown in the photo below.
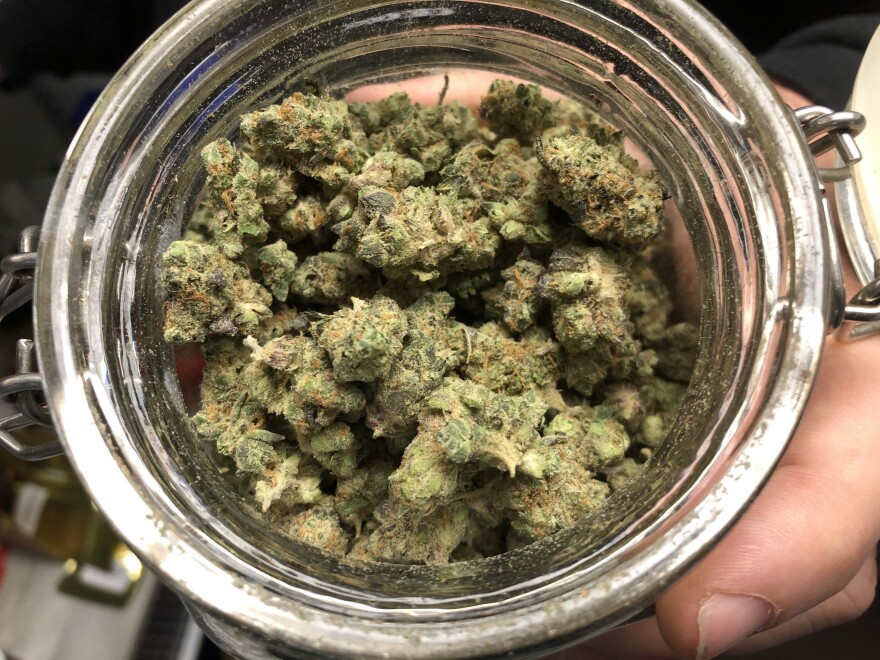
(67, 36)
(759, 25)
(56, 55)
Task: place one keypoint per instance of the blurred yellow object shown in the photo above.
(104, 570)
(43, 506)
(44, 509)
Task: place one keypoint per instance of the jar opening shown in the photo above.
(662, 71)
(626, 93)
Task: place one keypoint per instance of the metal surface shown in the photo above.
(823, 130)
(16, 290)
(862, 313)
(858, 207)
(826, 129)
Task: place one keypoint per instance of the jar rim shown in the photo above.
(87, 419)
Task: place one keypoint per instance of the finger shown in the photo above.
(642, 640)
(806, 535)
(844, 606)
(686, 302)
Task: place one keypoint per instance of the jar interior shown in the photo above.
(603, 55)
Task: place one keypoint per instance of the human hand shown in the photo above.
(802, 557)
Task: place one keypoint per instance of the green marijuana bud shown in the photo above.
(332, 278)
(358, 494)
(620, 473)
(511, 366)
(586, 289)
(243, 195)
(310, 133)
(320, 528)
(208, 294)
(517, 110)
(426, 340)
(411, 536)
(365, 340)
(429, 135)
(415, 228)
(306, 217)
(290, 481)
(592, 440)
(398, 398)
(677, 352)
(507, 186)
(277, 265)
(540, 507)
(602, 189)
(519, 300)
(335, 448)
(471, 423)
(389, 169)
(308, 394)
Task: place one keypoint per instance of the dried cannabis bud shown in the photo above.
(310, 133)
(208, 294)
(517, 110)
(363, 341)
(602, 189)
(519, 300)
(331, 278)
(426, 340)
(415, 228)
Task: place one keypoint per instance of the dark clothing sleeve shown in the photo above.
(821, 61)
(65, 36)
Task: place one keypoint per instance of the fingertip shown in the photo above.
(725, 619)
(807, 533)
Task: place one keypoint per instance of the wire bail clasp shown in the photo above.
(825, 129)
(17, 290)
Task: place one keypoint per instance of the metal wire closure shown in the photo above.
(825, 129)
(16, 290)
(862, 313)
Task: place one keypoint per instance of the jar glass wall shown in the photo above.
(663, 71)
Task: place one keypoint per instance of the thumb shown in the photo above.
(808, 532)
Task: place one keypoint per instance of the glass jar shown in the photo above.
(734, 161)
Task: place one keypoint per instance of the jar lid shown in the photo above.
(859, 197)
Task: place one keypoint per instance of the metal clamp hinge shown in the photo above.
(25, 386)
(861, 316)
(824, 130)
